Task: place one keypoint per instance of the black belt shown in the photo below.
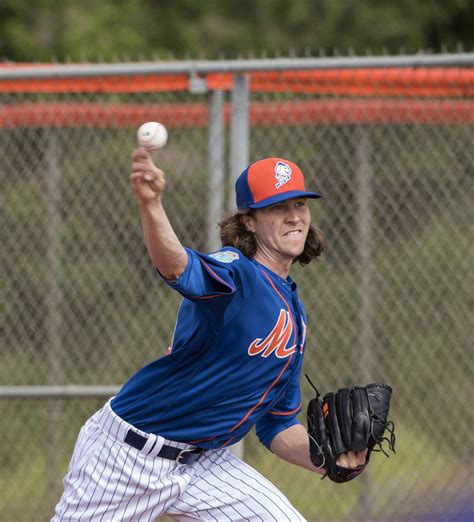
(181, 456)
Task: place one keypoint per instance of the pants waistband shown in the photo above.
(147, 443)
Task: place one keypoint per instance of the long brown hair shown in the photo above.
(233, 232)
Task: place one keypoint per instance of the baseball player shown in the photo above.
(161, 445)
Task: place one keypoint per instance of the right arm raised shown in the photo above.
(164, 247)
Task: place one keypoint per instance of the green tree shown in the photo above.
(147, 29)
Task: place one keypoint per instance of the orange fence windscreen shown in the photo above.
(342, 96)
(270, 114)
(396, 81)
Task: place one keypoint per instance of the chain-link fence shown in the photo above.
(388, 142)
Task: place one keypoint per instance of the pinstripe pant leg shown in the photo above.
(223, 487)
(111, 481)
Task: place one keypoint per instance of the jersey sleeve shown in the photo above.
(282, 415)
(214, 277)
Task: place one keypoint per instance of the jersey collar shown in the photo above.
(288, 283)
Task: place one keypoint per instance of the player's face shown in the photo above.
(281, 229)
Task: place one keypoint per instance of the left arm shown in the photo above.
(292, 445)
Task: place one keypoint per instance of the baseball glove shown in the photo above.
(349, 419)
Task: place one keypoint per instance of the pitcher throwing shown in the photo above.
(161, 445)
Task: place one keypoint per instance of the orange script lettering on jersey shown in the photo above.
(276, 340)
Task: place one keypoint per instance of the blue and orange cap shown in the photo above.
(269, 181)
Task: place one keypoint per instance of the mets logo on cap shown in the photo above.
(282, 174)
(269, 181)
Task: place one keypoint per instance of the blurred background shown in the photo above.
(46, 30)
(375, 102)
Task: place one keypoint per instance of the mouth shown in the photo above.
(292, 232)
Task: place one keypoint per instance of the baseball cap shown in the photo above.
(269, 181)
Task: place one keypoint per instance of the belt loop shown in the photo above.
(156, 448)
(150, 441)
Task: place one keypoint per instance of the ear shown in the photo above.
(248, 221)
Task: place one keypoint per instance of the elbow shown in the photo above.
(171, 270)
(171, 277)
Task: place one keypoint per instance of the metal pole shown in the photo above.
(216, 168)
(239, 159)
(365, 245)
(197, 67)
(239, 132)
(66, 391)
(53, 305)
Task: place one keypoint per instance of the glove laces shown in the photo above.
(390, 428)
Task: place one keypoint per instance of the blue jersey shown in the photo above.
(235, 359)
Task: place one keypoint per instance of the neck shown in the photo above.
(279, 266)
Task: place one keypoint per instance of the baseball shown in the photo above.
(152, 135)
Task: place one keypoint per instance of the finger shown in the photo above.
(140, 177)
(142, 157)
(141, 154)
(361, 457)
(142, 166)
(351, 459)
(343, 461)
(150, 179)
(147, 172)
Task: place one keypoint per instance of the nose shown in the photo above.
(292, 216)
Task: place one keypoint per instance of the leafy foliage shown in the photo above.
(148, 29)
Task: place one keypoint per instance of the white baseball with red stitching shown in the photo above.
(152, 135)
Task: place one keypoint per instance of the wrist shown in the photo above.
(150, 205)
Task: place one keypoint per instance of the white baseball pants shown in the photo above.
(108, 480)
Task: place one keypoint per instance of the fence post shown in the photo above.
(239, 158)
(52, 175)
(216, 187)
(239, 132)
(365, 254)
